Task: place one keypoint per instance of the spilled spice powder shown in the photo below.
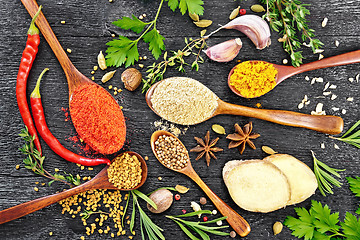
(253, 79)
(98, 118)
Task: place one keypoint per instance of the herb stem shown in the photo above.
(157, 13)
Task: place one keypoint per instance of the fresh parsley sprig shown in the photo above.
(319, 223)
(288, 17)
(354, 138)
(200, 228)
(156, 71)
(323, 176)
(125, 51)
(35, 162)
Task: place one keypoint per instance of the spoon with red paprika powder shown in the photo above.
(253, 79)
(100, 181)
(97, 117)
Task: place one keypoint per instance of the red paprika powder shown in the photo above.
(98, 118)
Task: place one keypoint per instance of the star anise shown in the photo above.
(242, 136)
(206, 148)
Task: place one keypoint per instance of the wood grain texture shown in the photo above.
(87, 29)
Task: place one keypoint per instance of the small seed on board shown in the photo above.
(101, 61)
(107, 76)
(194, 17)
(203, 23)
(268, 150)
(277, 228)
(324, 22)
(257, 8)
(234, 13)
(218, 129)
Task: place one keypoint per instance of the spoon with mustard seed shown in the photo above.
(100, 181)
(324, 123)
(238, 223)
(284, 72)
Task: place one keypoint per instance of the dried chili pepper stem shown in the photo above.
(27, 59)
(54, 144)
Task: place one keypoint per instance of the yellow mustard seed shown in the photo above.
(56, 170)
(68, 50)
(92, 72)
(63, 22)
(119, 90)
(36, 189)
(17, 167)
(115, 88)
(50, 233)
(90, 168)
(93, 78)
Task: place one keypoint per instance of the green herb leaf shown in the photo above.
(146, 198)
(354, 138)
(133, 24)
(121, 51)
(173, 4)
(351, 227)
(192, 6)
(194, 213)
(156, 42)
(355, 188)
(186, 231)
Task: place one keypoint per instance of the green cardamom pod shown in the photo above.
(194, 17)
(218, 129)
(203, 23)
(234, 13)
(257, 8)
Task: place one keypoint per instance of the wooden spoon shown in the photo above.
(285, 72)
(238, 223)
(325, 124)
(100, 181)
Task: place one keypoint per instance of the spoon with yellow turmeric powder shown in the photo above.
(253, 79)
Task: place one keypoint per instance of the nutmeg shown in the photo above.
(131, 78)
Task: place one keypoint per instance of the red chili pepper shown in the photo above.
(54, 144)
(27, 59)
(177, 197)
(242, 11)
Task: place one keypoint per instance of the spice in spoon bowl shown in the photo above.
(127, 171)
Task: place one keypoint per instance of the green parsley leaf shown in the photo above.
(156, 42)
(133, 24)
(173, 4)
(302, 227)
(351, 227)
(355, 188)
(192, 6)
(325, 220)
(121, 51)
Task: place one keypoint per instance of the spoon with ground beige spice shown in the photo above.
(253, 79)
(186, 101)
(108, 178)
(172, 153)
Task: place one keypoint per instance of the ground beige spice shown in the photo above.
(183, 101)
(125, 171)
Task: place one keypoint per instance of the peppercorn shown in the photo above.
(205, 218)
(202, 201)
(177, 197)
(242, 11)
(183, 211)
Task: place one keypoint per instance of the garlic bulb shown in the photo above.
(225, 51)
(253, 26)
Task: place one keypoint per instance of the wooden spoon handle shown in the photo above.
(325, 124)
(238, 223)
(26, 208)
(342, 59)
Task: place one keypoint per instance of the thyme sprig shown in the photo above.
(323, 176)
(288, 17)
(354, 138)
(87, 213)
(35, 162)
(200, 228)
(156, 71)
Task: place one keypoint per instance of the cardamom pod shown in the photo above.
(218, 129)
(234, 13)
(194, 17)
(257, 8)
(107, 76)
(203, 23)
(268, 150)
(277, 228)
(101, 61)
(181, 189)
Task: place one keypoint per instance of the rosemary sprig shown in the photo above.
(34, 162)
(354, 138)
(323, 176)
(288, 17)
(146, 224)
(156, 71)
(200, 228)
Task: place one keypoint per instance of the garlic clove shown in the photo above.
(225, 51)
(253, 26)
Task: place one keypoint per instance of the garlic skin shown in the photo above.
(225, 51)
(253, 26)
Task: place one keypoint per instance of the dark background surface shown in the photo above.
(88, 28)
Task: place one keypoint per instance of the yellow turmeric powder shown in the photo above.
(253, 79)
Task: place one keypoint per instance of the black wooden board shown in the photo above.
(87, 29)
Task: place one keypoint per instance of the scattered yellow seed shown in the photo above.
(17, 167)
(144, 57)
(146, 158)
(113, 35)
(68, 50)
(90, 168)
(89, 178)
(56, 170)
(93, 78)
(115, 88)
(159, 178)
(50, 233)
(128, 222)
(141, 65)
(95, 68)
(82, 167)
(115, 92)
(81, 140)
(110, 87)
(123, 232)
(92, 72)
(121, 107)
(36, 189)
(78, 164)
(82, 238)
(133, 232)
(112, 235)
(85, 178)
(43, 184)
(130, 237)
(62, 22)
(36, 183)
(110, 1)
(73, 216)
(100, 231)
(119, 90)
